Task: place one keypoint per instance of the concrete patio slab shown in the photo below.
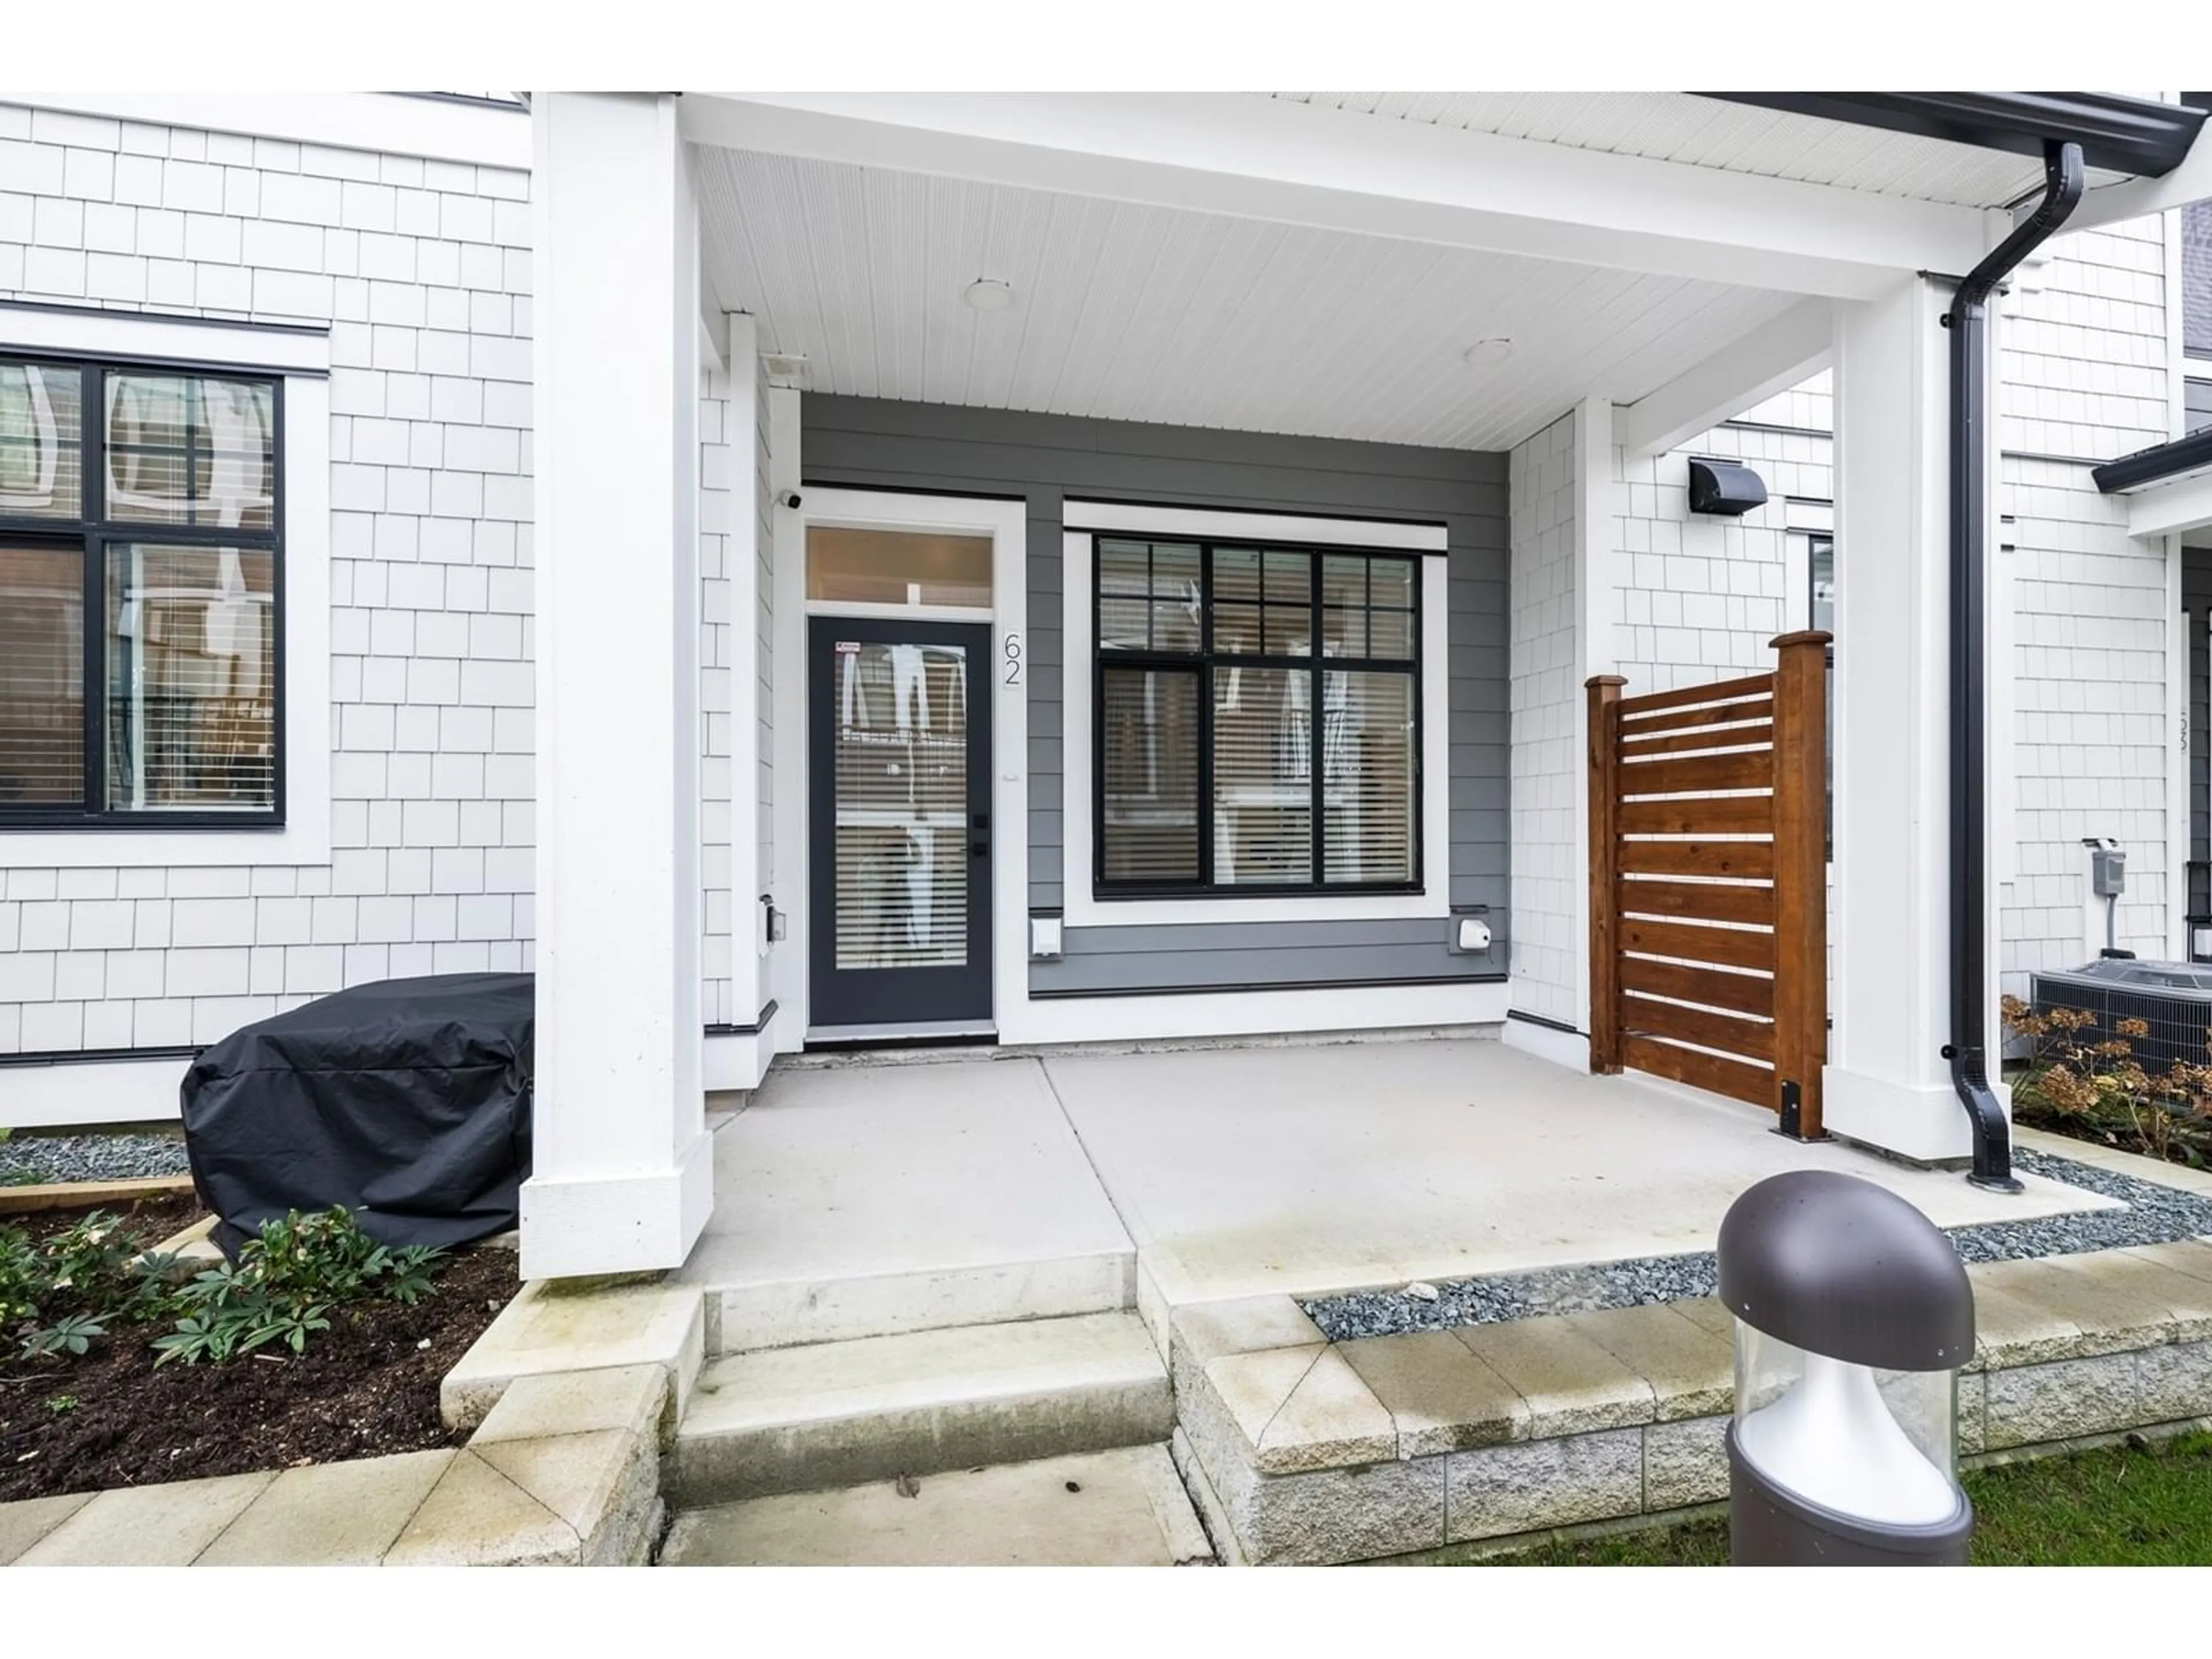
(857, 1201)
(1123, 1508)
(1309, 1169)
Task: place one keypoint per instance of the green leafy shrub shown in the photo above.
(284, 1283)
(58, 1296)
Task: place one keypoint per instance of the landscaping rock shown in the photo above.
(2152, 1214)
(94, 1157)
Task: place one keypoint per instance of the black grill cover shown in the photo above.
(406, 1101)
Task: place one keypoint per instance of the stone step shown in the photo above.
(1124, 1508)
(844, 1414)
(748, 1309)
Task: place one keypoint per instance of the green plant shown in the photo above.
(71, 1334)
(62, 1404)
(285, 1282)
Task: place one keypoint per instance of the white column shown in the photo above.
(1887, 1082)
(622, 1178)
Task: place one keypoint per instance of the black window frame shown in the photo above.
(91, 534)
(1203, 664)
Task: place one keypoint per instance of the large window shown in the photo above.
(1257, 719)
(140, 573)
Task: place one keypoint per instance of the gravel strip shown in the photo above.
(95, 1158)
(2154, 1215)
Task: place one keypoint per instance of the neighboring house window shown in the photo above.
(1256, 719)
(2197, 263)
(141, 570)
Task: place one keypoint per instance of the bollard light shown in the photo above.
(1853, 1315)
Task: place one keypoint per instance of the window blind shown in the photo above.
(901, 800)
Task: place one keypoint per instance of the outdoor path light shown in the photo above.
(1853, 1315)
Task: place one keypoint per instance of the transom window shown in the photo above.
(141, 569)
(1257, 714)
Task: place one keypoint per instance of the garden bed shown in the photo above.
(2086, 1083)
(366, 1387)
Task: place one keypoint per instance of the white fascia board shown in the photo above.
(2171, 507)
(1772, 358)
(1269, 159)
(382, 123)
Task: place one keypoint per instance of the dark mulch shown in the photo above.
(154, 1219)
(367, 1386)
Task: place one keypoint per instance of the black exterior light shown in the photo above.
(1852, 1318)
(1728, 488)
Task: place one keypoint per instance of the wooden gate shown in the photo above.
(1708, 819)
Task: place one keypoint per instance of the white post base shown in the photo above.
(1921, 1123)
(580, 1226)
(1568, 1049)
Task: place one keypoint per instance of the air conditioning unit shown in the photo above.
(2173, 999)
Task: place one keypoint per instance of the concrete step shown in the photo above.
(1124, 1508)
(749, 1307)
(844, 1414)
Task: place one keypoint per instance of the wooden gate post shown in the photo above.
(1800, 879)
(1604, 758)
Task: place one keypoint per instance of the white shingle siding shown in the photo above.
(2082, 351)
(1547, 764)
(716, 654)
(421, 271)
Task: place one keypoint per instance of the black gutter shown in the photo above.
(2167, 460)
(1968, 321)
(2116, 133)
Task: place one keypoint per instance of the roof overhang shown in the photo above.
(2169, 488)
(2118, 134)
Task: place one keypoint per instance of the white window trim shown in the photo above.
(1082, 907)
(302, 358)
(1201, 522)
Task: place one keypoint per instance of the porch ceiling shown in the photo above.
(1136, 311)
(1700, 131)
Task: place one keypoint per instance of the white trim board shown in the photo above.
(1199, 521)
(303, 360)
(1081, 908)
(68, 1094)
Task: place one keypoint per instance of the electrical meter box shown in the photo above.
(2108, 871)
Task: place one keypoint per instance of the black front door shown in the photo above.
(899, 807)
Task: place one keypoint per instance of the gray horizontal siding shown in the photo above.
(1044, 459)
(1238, 955)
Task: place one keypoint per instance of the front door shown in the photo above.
(899, 804)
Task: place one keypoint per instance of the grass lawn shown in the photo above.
(2116, 1508)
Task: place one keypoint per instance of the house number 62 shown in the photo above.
(1011, 650)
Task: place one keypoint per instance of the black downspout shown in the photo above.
(1968, 321)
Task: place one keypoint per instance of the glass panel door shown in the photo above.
(900, 841)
